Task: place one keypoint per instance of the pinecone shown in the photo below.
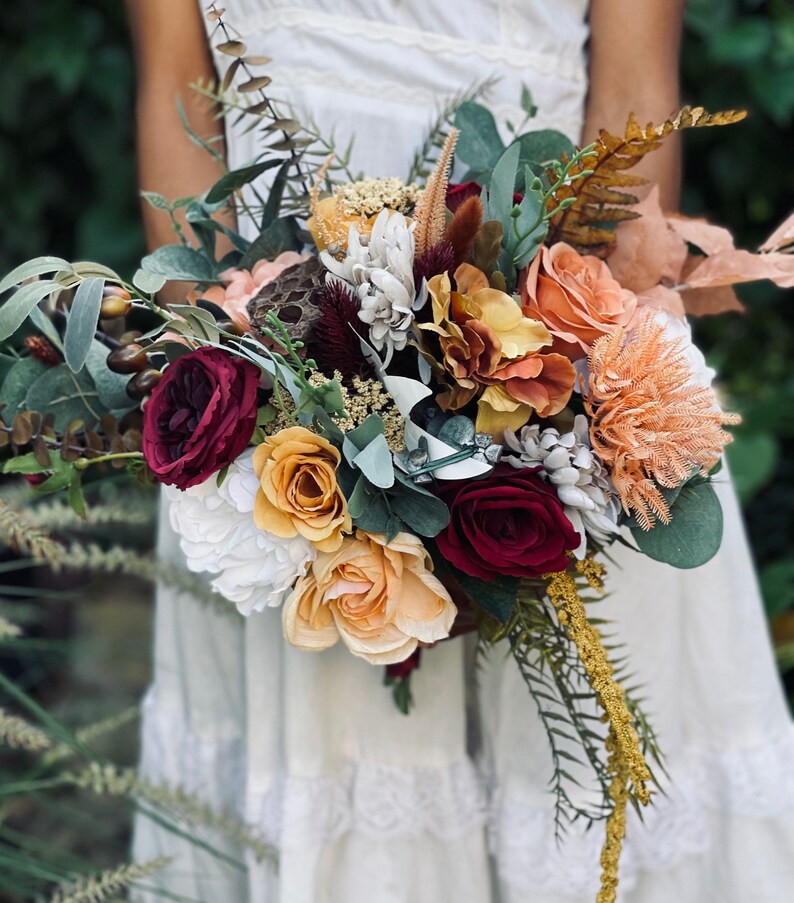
(290, 297)
(43, 350)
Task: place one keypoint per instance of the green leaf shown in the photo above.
(375, 462)
(496, 596)
(179, 263)
(25, 464)
(362, 435)
(236, 178)
(76, 497)
(156, 200)
(201, 323)
(36, 267)
(694, 533)
(421, 511)
(148, 282)
(530, 227)
(358, 498)
(479, 144)
(281, 235)
(543, 146)
(46, 327)
(63, 472)
(111, 387)
(69, 396)
(527, 104)
(16, 309)
(503, 182)
(82, 322)
(745, 43)
(375, 513)
(18, 381)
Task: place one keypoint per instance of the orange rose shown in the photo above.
(576, 297)
(298, 491)
(379, 597)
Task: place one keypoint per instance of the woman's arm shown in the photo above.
(634, 59)
(171, 51)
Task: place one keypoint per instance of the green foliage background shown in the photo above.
(67, 184)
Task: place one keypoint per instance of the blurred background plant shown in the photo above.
(67, 179)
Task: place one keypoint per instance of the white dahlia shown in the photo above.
(379, 269)
(578, 475)
(217, 534)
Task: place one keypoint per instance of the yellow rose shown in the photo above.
(379, 597)
(298, 491)
(330, 224)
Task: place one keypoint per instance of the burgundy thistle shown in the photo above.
(511, 523)
(335, 341)
(438, 258)
(200, 416)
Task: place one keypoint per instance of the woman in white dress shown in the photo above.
(451, 803)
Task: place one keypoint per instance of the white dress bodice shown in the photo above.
(378, 70)
(452, 802)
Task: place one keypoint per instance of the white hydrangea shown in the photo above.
(580, 478)
(380, 271)
(702, 374)
(217, 533)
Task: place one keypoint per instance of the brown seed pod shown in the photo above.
(127, 358)
(113, 306)
(142, 384)
(43, 350)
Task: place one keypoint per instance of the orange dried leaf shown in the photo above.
(612, 156)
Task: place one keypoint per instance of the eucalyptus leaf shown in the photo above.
(503, 182)
(422, 512)
(479, 144)
(375, 462)
(17, 382)
(82, 322)
(111, 387)
(16, 309)
(694, 533)
(179, 263)
(31, 268)
(541, 148)
(46, 327)
(148, 282)
(69, 396)
(496, 596)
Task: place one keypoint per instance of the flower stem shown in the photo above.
(83, 463)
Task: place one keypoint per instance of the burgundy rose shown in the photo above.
(401, 670)
(510, 523)
(200, 416)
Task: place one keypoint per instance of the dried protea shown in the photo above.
(335, 341)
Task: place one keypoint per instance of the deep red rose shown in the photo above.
(401, 670)
(510, 523)
(200, 416)
(457, 194)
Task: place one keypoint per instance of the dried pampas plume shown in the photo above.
(431, 211)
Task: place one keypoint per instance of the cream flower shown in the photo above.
(217, 534)
(380, 598)
(379, 269)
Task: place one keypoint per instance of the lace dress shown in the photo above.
(452, 802)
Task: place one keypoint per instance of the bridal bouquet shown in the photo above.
(411, 408)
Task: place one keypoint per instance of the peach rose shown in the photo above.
(241, 285)
(379, 597)
(576, 297)
(298, 492)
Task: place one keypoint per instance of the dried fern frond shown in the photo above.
(17, 733)
(597, 182)
(431, 211)
(178, 804)
(97, 888)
